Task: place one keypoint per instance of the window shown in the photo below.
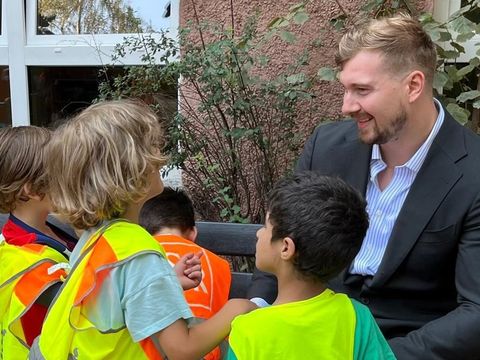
(53, 49)
(63, 17)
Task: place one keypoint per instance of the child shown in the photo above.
(29, 246)
(314, 228)
(170, 218)
(121, 299)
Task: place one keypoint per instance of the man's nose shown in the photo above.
(350, 104)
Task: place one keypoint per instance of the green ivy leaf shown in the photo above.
(460, 114)
(300, 18)
(224, 212)
(278, 23)
(457, 46)
(468, 95)
(327, 74)
(451, 54)
(475, 61)
(287, 36)
(445, 36)
(465, 36)
(465, 70)
(462, 25)
(439, 81)
(236, 209)
(476, 104)
(296, 78)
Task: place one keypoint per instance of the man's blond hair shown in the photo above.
(22, 162)
(401, 40)
(101, 159)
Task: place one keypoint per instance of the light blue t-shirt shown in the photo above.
(142, 294)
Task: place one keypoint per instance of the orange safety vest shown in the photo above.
(24, 276)
(66, 332)
(212, 293)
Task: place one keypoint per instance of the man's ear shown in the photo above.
(288, 249)
(415, 85)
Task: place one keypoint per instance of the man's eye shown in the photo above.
(363, 91)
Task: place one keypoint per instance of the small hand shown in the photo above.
(189, 270)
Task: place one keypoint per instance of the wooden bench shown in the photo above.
(221, 238)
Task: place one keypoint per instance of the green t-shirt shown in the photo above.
(327, 326)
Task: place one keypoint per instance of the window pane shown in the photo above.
(57, 92)
(5, 105)
(70, 17)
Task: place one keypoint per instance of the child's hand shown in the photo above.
(189, 270)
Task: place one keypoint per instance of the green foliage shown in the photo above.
(457, 76)
(235, 131)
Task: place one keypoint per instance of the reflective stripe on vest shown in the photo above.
(322, 327)
(24, 277)
(67, 333)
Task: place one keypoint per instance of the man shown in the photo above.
(419, 264)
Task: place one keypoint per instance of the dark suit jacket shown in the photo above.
(425, 295)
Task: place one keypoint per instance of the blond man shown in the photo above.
(420, 173)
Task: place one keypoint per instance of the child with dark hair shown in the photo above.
(314, 228)
(170, 217)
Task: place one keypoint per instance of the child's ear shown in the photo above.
(192, 234)
(288, 249)
(27, 193)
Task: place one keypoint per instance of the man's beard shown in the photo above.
(389, 132)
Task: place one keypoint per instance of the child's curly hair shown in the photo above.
(100, 161)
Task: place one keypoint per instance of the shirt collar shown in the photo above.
(416, 161)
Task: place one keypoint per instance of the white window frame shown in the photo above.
(3, 35)
(20, 47)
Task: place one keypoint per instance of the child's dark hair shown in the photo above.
(172, 208)
(325, 218)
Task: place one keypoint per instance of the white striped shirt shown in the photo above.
(384, 206)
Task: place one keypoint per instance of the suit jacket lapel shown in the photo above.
(351, 162)
(437, 176)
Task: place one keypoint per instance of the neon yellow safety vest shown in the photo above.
(322, 327)
(66, 332)
(24, 276)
